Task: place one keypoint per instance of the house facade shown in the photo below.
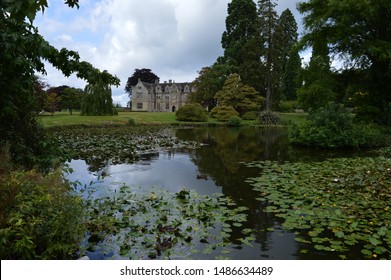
(160, 97)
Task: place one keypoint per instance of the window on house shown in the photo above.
(139, 105)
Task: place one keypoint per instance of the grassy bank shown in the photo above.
(64, 119)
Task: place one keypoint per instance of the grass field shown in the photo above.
(64, 118)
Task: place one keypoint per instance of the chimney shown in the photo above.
(170, 81)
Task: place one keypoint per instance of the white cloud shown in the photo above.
(174, 38)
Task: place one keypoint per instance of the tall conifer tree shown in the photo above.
(291, 62)
(271, 52)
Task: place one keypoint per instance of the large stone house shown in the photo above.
(160, 97)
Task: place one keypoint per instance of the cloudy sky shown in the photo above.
(173, 38)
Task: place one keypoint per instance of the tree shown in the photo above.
(271, 49)
(145, 75)
(359, 33)
(291, 62)
(318, 79)
(209, 81)
(22, 55)
(291, 80)
(241, 97)
(97, 100)
(241, 41)
(72, 99)
(52, 102)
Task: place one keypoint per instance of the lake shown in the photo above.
(216, 165)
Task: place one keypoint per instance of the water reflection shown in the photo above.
(216, 167)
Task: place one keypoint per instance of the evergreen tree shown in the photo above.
(240, 28)
(271, 49)
(317, 90)
(241, 41)
(291, 80)
(291, 62)
(241, 97)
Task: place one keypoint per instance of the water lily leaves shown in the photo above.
(200, 223)
(123, 144)
(340, 204)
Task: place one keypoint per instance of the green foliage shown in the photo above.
(131, 122)
(252, 115)
(72, 99)
(341, 25)
(223, 113)
(234, 121)
(97, 100)
(288, 106)
(41, 218)
(241, 26)
(338, 205)
(129, 221)
(23, 52)
(209, 81)
(332, 127)
(241, 97)
(291, 79)
(269, 118)
(314, 96)
(318, 88)
(192, 112)
(123, 144)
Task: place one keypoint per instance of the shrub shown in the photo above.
(269, 118)
(223, 113)
(332, 127)
(131, 122)
(40, 218)
(253, 115)
(191, 112)
(234, 121)
(288, 106)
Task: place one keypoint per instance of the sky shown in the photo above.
(173, 38)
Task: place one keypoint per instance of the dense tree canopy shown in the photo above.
(209, 81)
(23, 52)
(358, 32)
(241, 97)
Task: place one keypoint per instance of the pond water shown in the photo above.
(216, 166)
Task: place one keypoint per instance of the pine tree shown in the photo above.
(240, 29)
(271, 49)
(291, 62)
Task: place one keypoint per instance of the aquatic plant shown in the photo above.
(338, 205)
(129, 224)
(115, 144)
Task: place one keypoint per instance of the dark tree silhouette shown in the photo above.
(145, 75)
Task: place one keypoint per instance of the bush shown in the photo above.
(332, 127)
(253, 115)
(223, 113)
(269, 118)
(288, 106)
(191, 112)
(40, 218)
(131, 122)
(234, 121)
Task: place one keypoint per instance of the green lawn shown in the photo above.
(64, 118)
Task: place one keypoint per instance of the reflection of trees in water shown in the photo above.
(222, 159)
